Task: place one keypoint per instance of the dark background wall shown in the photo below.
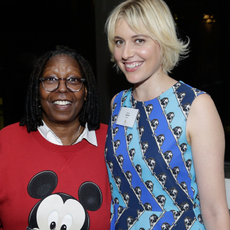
(29, 28)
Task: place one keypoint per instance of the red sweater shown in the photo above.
(46, 186)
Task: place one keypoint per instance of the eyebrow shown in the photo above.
(135, 36)
(117, 37)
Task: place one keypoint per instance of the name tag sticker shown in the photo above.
(127, 116)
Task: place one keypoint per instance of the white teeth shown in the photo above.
(133, 65)
(62, 102)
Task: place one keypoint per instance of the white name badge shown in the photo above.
(127, 116)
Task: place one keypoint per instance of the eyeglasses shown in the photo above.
(73, 84)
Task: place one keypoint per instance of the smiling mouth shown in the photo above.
(62, 103)
(133, 65)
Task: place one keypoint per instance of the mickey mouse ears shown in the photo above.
(42, 184)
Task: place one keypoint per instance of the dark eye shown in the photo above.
(52, 225)
(73, 79)
(63, 227)
(119, 42)
(139, 41)
(50, 79)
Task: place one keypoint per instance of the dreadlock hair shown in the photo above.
(90, 110)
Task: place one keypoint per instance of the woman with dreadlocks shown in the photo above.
(52, 169)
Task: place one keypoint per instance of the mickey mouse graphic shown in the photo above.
(61, 211)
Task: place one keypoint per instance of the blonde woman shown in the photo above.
(165, 143)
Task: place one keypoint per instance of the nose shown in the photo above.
(128, 51)
(62, 85)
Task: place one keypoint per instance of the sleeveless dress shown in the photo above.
(150, 166)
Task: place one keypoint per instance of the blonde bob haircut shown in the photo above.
(154, 19)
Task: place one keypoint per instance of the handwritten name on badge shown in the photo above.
(127, 116)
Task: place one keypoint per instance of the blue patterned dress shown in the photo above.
(150, 165)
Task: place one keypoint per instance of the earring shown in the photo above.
(40, 109)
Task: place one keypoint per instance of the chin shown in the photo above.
(134, 80)
(59, 120)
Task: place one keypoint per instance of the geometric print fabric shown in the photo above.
(150, 165)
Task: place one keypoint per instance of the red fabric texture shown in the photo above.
(23, 155)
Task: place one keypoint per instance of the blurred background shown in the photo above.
(31, 27)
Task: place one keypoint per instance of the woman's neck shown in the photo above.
(67, 133)
(153, 87)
